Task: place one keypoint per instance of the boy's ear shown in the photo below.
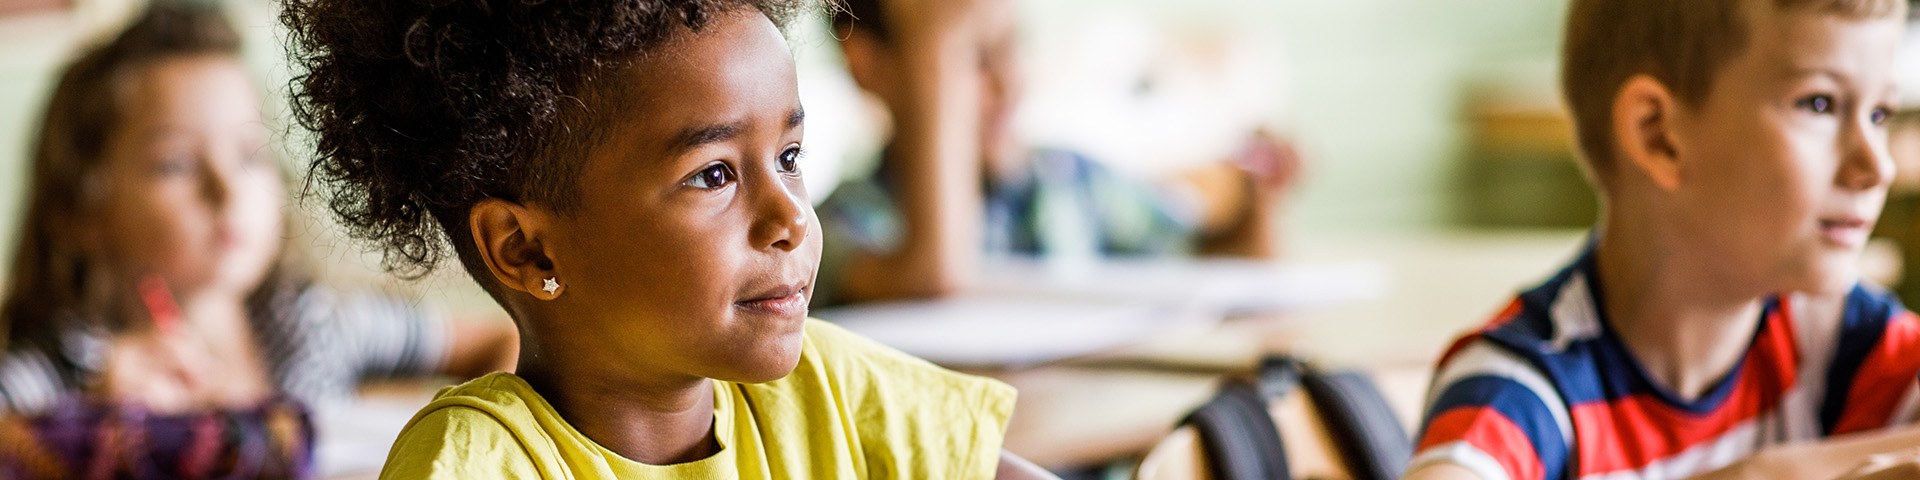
(508, 235)
(1643, 131)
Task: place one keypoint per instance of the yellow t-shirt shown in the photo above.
(851, 409)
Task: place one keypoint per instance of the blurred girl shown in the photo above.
(152, 272)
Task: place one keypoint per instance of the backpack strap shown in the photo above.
(1371, 440)
(1238, 435)
(1242, 441)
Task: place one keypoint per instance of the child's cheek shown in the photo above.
(164, 238)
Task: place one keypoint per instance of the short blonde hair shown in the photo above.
(1681, 43)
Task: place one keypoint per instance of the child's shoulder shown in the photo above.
(496, 410)
(493, 391)
(901, 410)
(496, 404)
(1543, 340)
(1551, 318)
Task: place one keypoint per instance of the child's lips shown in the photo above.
(785, 301)
(1846, 231)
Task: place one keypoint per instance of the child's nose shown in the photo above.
(782, 220)
(1865, 163)
(216, 183)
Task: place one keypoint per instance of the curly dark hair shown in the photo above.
(422, 108)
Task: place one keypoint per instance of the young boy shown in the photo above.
(622, 177)
(1716, 317)
(955, 180)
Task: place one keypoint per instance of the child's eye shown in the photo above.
(714, 176)
(790, 160)
(1821, 104)
(173, 166)
(1879, 116)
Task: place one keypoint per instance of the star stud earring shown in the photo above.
(552, 285)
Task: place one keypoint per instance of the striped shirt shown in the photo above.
(319, 348)
(1548, 391)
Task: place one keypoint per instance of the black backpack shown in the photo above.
(1242, 442)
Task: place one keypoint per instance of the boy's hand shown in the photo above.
(1888, 467)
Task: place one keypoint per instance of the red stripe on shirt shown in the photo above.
(1507, 315)
(1884, 377)
(1492, 433)
(1632, 432)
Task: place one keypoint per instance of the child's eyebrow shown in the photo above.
(694, 137)
(1822, 72)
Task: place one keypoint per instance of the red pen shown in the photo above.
(160, 304)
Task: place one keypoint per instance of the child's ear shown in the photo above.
(508, 235)
(868, 62)
(1643, 131)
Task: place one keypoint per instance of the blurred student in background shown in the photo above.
(153, 274)
(955, 181)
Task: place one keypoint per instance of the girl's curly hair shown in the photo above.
(422, 108)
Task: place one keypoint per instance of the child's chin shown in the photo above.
(773, 363)
(1835, 277)
(764, 375)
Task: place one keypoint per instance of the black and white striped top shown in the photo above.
(319, 349)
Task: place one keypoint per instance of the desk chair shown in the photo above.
(1290, 421)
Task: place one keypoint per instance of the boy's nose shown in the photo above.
(1865, 163)
(782, 220)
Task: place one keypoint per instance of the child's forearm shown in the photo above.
(1251, 238)
(1831, 458)
(1222, 194)
(1234, 220)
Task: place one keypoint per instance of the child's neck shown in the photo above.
(1679, 321)
(215, 310)
(219, 320)
(656, 421)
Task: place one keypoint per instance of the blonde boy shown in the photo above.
(1740, 151)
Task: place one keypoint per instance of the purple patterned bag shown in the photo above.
(95, 441)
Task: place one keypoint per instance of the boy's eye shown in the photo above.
(1822, 104)
(789, 161)
(1879, 116)
(714, 176)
